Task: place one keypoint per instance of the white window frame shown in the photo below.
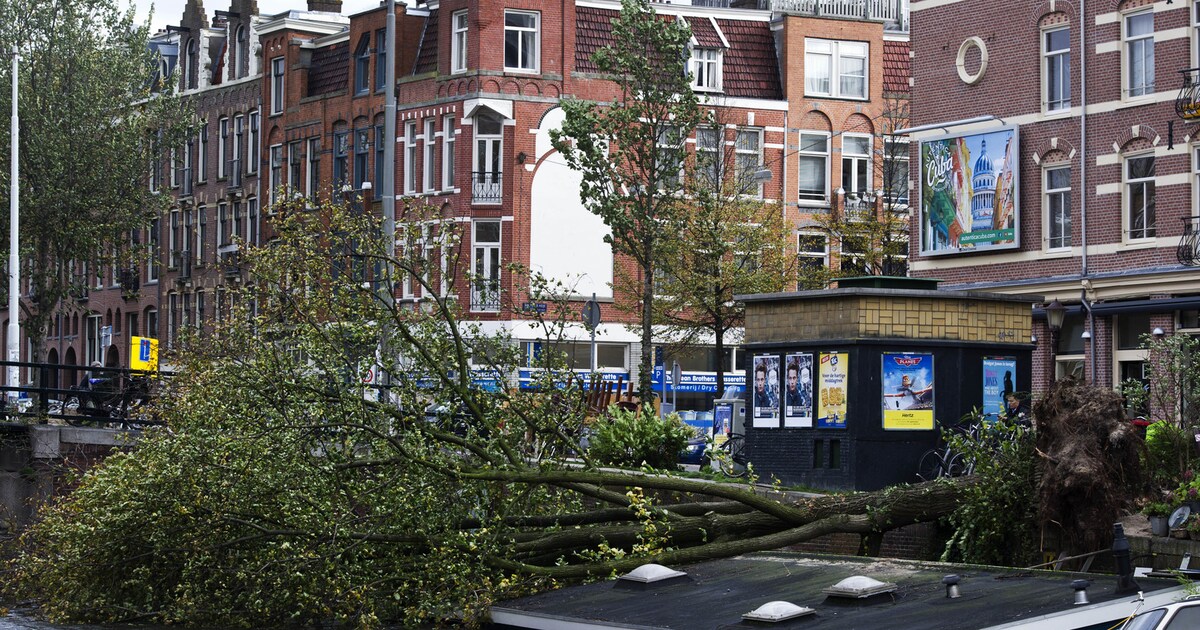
(1129, 184)
(460, 29)
(802, 252)
(709, 154)
(410, 157)
(201, 232)
(239, 130)
(524, 56)
(1057, 200)
(831, 55)
(276, 180)
(202, 153)
(312, 162)
(1060, 59)
(865, 160)
(824, 155)
(449, 133)
(173, 172)
(1131, 45)
(277, 85)
(747, 172)
(896, 151)
(489, 254)
(707, 68)
(252, 152)
(222, 147)
(429, 166)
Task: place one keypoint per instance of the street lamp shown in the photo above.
(1055, 312)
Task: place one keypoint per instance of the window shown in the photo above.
(222, 224)
(341, 150)
(222, 148)
(458, 42)
(191, 65)
(362, 66)
(199, 320)
(277, 68)
(1139, 197)
(201, 232)
(202, 152)
(488, 171)
(152, 322)
(173, 176)
(521, 40)
(235, 158)
(173, 239)
(235, 231)
(240, 49)
(172, 317)
(833, 68)
(380, 65)
(856, 167)
(895, 170)
(410, 157)
(1139, 53)
(448, 133)
(379, 142)
(429, 166)
(670, 156)
(1058, 207)
(485, 267)
(314, 163)
(748, 154)
(295, 166)
(813, 159)
(854, 252)
(276, 172)
(155, 262)
(252, 150)
(708, 156)
(706, 69)
(252, 221)
(813, 250)
(362, 153)
(1057, 69)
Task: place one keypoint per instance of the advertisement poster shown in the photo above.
(969, 192)
(999, 374)
(766, 392)
(907, 391)
(797, 390)
(834, 378)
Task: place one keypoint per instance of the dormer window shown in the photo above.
(706, 69)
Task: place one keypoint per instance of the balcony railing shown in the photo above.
(1187, 102)
(485, 298)
(1188, 252)
(891, 12)
(487, 187)
(858, 209)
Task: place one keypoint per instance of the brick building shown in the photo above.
(1088, 190)
(295, 101)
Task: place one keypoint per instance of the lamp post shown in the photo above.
(13, 347)
(1055, 312)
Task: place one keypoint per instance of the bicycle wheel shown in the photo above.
(930, 467)
(956, 466)
(734, 460)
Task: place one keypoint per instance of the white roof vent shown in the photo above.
(650, 573)
(774, 612)
(858, 587)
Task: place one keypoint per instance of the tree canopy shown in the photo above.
(91, 125)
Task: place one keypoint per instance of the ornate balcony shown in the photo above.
(487, 187)
(1188, 252)
(1187, 102)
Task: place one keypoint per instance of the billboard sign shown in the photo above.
(969, 188)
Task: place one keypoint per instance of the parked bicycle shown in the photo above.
(944, 461)
(732, 460)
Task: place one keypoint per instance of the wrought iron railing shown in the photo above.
(485, 298)
(857, 209)
(487, 187)
(889, 11)
(1188, 252)
(1187, 102)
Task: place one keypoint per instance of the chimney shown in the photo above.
(332, 6)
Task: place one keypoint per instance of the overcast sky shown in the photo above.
(170, 11)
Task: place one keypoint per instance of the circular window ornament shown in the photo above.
(961, 61)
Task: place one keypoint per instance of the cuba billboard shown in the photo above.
(969, 186)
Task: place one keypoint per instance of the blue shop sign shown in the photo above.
(698, 382)
(528, 377)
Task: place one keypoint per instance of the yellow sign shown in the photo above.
(143, 354)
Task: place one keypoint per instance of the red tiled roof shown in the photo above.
(330, 69)
(750, 66)
(706, 36)
(427, 57)
(897, 67)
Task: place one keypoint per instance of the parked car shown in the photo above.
(1182, 615)
(693, 452)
